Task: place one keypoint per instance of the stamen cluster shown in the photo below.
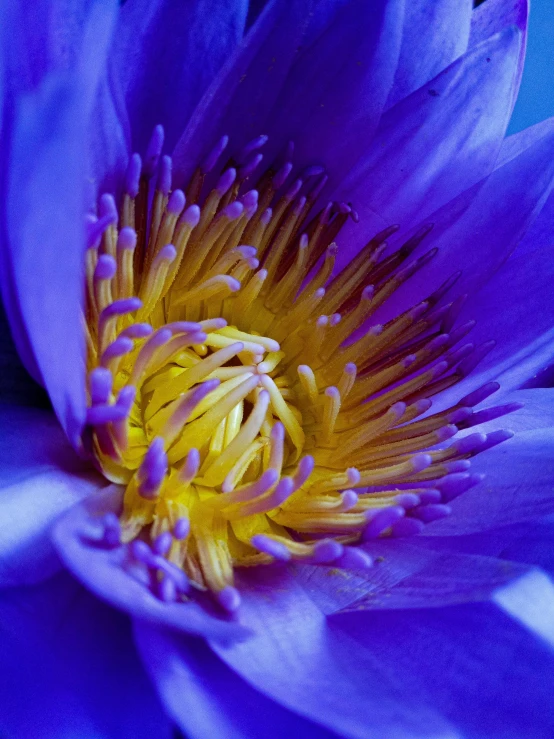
(226, 389)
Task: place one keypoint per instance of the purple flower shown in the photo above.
(281, 474)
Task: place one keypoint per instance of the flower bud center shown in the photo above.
(227, 392)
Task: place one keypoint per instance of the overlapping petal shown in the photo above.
(491, 218)
(394, 651)
(285, 81)
(318, 671)
(165, 54)
(44, 206)
(339, 670)
(529, 542)
(70, 669)
(517, 486)
(494, 15)
(436, 143)
(207, 698)
(433, 36)
(40, 477)
(480, 668)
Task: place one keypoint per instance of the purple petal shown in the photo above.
(183, 44)
(530, 600)
(433, 36)
(104, 571)
(466, 662)
(328, 108)
(529, 543)
(537, 411)
(247, 85)
(516, 309)
(496, 213)
(287, 66)
(40, 477)
(493, 16)
(373, 674)
(299, 659)
(404, 175)
(514, 145)
(46, 36)
(46, 259)
(69, 668)
(42, 257)
(109, 143)
(206, 698)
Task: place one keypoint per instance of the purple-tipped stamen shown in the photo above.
(132, 175)
(153, 469)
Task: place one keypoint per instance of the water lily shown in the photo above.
(285, 281)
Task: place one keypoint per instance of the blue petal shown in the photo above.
(285, 81)
(165, 55)
(331, 108)
(529, 543)
(40, 477)
(530, 600)
(493, 16)
(433, 36)
(206, 698)
(405, 673)
(104, 572)
(109, 145)
(514, 145)
(409, 170)
(523, 329)
(527, 346)
(319, 672)
(248, 84)
(537, 411)
(496, 212)
(45, 36)
(44, 219)
(478, 667)
(69, 668)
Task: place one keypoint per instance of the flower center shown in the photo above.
(226, 390)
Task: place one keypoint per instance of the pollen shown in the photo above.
(239, 388)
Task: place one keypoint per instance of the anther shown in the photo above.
(281, 176)
(381, 521)
(100, 381)
(253, 162)
(275, 549)
(211, 159)
(251, 146)
(153, 151)
(229, 599)
(181, 529)
(190, 466)
(132, 176)
(112, 531)
(153, 470)
(164, 175)
(226, 181)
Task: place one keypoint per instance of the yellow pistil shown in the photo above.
(231, 377)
